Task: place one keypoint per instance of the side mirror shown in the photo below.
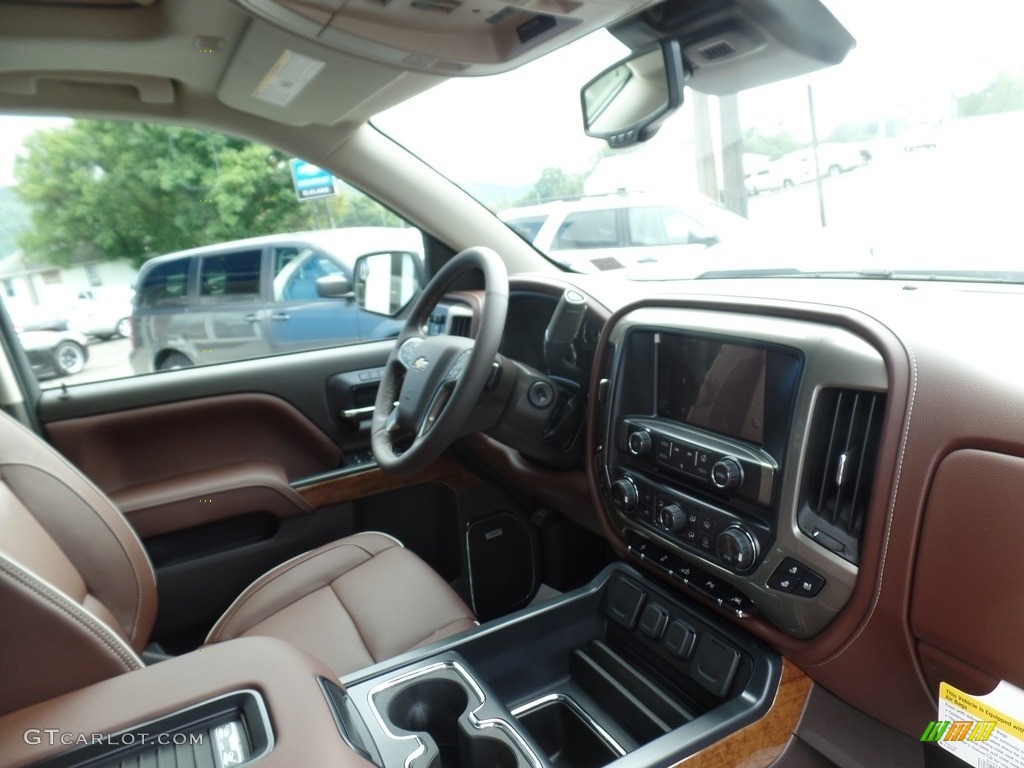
(628, 102)
(386, 282)
(333, 287)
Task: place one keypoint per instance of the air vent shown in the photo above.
(461, 326)
(840, 468)
(717, 50)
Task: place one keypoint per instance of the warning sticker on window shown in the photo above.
(288, 78)
(983, 731)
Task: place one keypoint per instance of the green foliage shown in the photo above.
(864, 130)
(774, 146)
(133, 190)
(553, 184)
(354, 209)
(13, 219)
(1004, 94)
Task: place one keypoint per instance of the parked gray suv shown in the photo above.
(267, 295)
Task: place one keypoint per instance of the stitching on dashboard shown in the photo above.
(124, 549)
(75, 612)
(889, 523)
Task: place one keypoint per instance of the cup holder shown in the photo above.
(561, 731)
(438, 709)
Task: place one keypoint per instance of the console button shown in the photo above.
(672, 518)
(792, 567)
(809, 584)
(624, 602)
(714, 665)
(653, 621)
(781, 581)
(726, 473)
(708, 524)
(737, 548)
(679, 639)
(624, 495)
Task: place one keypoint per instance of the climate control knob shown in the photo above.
(624, 495)
(639, 442)
(672, 518)
(737, 548)
(726, 473)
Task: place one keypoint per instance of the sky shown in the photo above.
(13, 131)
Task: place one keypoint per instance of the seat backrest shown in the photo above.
(77, 590)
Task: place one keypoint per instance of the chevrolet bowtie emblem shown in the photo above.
(420, 363)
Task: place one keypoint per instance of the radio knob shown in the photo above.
(624, 495)
(737, 548)
(726, 473)
(639, 443)
(672, 518)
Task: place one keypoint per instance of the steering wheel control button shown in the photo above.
(624, 601)
(540, 394)
(639, 443)
(679, 639)
(653, 621)
(408, 352)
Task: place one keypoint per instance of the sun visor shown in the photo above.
(279, 76)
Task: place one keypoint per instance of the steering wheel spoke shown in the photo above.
(431, 384)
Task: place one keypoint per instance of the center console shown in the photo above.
(619, 671)
(736, 454)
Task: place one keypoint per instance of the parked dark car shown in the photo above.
(260, 296)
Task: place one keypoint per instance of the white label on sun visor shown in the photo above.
(287, 78)
(983, 731)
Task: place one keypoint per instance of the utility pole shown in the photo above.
(817, 165)
(707, 169)
(733, 176)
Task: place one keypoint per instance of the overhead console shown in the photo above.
(736, 455)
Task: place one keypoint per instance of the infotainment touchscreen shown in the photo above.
(721, 386)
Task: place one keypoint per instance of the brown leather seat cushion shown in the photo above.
(351, 603)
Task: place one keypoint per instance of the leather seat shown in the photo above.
(78, 593)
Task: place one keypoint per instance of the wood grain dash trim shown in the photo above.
(352, 487)
(758, 744)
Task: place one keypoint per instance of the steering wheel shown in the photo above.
(431, 383)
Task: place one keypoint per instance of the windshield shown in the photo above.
(904, 160)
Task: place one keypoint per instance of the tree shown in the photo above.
(774, 146)
(1004, 94)
(112, 190)
(553, 184)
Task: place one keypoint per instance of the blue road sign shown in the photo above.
(311, 181)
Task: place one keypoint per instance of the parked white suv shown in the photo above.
(626, 230)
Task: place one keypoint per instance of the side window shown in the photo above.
(296, 271)
(165, 284)
(588, 229)
(231, 275)
(137, 297)
(527, 227)
(662, 225)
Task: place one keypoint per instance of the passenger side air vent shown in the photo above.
(461, 325)
(840, 468)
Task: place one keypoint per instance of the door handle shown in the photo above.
(280, 316)
(252, 318)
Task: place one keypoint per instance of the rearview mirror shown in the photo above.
(628, 102)
(386, 282)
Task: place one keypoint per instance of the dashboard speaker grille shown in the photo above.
(840, 468)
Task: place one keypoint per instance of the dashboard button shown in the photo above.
(792, 567)
(780, 581)
(639, 443)
(809, 584)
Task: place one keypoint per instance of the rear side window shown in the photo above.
(236, 273)
(296, 271)
(588, 229)
(527, 227)
(165, 284)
